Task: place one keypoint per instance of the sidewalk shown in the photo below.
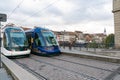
(104, 52)
(110, 56)
(4, 75)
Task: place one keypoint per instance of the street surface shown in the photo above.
(65, 67)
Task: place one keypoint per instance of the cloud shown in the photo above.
(85, 13)
(89, 11)
(54, 11)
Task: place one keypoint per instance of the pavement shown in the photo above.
(97, 54)
(92, 51)
(4, 75)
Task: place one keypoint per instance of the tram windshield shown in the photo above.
(15, 38)
(49, 38)
(18, 39)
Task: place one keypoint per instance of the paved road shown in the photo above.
(66, 67)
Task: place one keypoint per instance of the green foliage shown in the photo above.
(92, 45)
(109, 41)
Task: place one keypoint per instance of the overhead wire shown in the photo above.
(15, 9)
(40, 11)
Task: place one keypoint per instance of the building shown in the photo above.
(78, 36)
(116, 11)
(88, 38)
(24, 28)
(66, 36)
(99, 37)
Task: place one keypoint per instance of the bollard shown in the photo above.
(80, 48)
(94, 49)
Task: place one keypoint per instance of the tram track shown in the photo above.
(44, 78)
(56, 63)
(82, 74)
(82, 64)
(39, 76)
(110, 77)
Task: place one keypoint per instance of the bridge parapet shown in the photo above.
(17, 72)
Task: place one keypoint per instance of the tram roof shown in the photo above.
(10, 26)
(37, 29)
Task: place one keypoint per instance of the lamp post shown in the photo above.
(3, 18)
(64, 39)
(0, 47)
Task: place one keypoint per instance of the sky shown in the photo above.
(88, 16)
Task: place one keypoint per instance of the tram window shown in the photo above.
(4, 40)
(28, 35)
(37, 40)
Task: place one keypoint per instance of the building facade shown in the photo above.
(79, 37)
(116, 12)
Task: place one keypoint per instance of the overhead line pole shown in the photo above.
(0, 46)
(3, 18)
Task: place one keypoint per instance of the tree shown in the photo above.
(109, 41)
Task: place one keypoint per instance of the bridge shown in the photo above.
(72, 64)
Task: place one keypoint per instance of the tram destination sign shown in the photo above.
(3, 17)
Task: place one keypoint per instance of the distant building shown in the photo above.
(24, 28)
(65, 36)
(99, 37)
(79, 37)
(88, 38)
(104, 31)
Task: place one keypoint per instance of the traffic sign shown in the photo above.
(3, 17)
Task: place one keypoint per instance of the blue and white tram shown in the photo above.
(14, 42)
(42, 41)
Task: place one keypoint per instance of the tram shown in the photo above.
(14, 42)
(42, 41)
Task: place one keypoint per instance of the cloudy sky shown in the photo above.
(89, 16)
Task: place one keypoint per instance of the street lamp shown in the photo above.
(0, 46)
(64, 38)
(3, 18)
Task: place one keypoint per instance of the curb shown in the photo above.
(94, 56)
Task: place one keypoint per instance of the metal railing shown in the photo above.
(88, 46)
